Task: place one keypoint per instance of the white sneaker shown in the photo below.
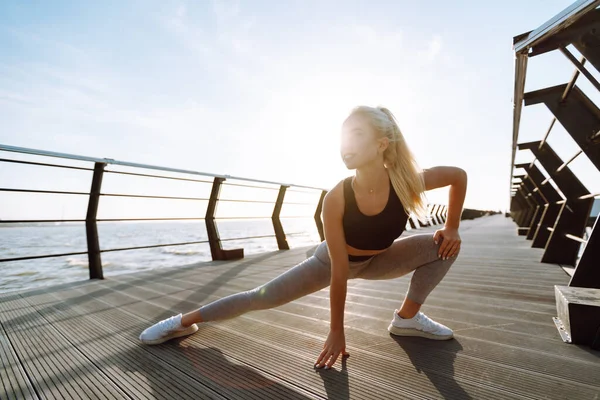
(419, 325)
(166, 329)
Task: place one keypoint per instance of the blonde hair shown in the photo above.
(402, 167)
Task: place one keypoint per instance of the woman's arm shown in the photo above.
(333, 209)
(456, 178)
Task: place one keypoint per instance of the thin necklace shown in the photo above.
(371, 191)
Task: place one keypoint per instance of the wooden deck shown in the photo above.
(81, 340)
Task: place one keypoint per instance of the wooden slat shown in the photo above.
(55, 368)
(324, 333)
(477, 317)
(14, 382)
(273, 386)
(557, 364)
(190, 373)
(292, 360)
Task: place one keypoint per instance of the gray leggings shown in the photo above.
(416, 253)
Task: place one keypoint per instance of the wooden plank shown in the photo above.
(387, 294)
(295, 359)
(120, 317)
(396, 288)
(195, 373)
(556, 365)
(311, 330)
(459, 317)
(14, 382)
(381, 374)
(552, 346)
(448, 359)
(56, 369)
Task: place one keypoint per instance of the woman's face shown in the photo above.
(359, 145)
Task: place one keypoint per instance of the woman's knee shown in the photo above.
(260, 298)
(422, 244)
(322, 253)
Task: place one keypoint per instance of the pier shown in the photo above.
(80, 340)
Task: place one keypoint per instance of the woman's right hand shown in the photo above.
(333, 347)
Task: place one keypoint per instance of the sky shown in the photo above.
(259, 89)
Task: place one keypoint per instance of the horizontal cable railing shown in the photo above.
(218, 182)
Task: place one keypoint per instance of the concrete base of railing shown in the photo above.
(228, 255)
(578, 318)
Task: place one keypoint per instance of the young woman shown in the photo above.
(363, 215)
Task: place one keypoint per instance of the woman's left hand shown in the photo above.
(450, 242)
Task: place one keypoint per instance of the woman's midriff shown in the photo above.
(361, 253)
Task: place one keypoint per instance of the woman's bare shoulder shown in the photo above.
(334, 199)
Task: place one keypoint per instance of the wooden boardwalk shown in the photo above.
(81, 340)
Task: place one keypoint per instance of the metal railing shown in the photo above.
(554, 211)
(217, 182)
(99, 171)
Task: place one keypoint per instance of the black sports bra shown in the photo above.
(375, 232)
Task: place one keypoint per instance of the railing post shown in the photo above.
(578, 115)
(434, 220)
(528, 207)
(91, 227)
(575, 213)
(279, 232)
(538, 203)
(551, 209)
(525, 211)
(412, 222)
(216, 251)
(436, 214)
(431, 222)
(318, 213)
(587, 273)
(422, 222)
(540, 210)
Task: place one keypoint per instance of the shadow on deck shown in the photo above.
(80, 340)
